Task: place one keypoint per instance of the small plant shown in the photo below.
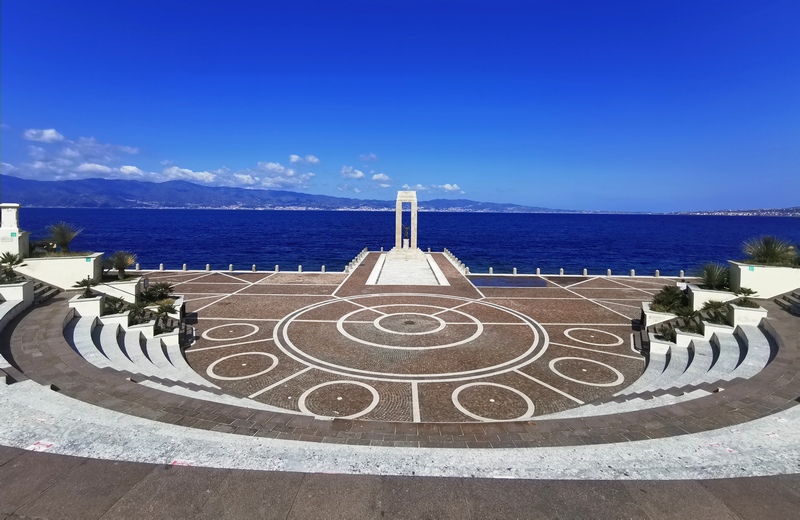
(138, 312)
(770, 250)
(62, 234)
(86, 284)
(157, 292)
(114, 305)
(8, 261)
(669, 299)
(744, 298)
(162, 317)
(716, 276)
(120, 261)
(716, 312)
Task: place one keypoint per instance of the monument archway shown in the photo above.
(403, 197)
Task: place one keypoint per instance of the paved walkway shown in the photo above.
(113, 448)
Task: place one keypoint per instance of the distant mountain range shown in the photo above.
(104, 193)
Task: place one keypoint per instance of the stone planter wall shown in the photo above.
(766, 280)
(64, 271)
(88, 306)
(746, 315)
(127, 290)
(22, 291)
(698, 296)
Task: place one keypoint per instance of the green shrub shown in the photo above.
(716, 312)
(716, 276)
(770, 250)
(669, 299)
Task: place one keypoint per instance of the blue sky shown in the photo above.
(637, 106)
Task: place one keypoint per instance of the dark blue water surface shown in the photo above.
(481, 240)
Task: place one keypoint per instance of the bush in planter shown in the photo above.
(86, 284)
(157, 292)
(114, 305)
(744, 298)
(162, 318)
(716, 312)
(669, 299)
(62, 234)
(716, 276)
(770, 250)
(120, 261)
(8, 261)
(138, 312)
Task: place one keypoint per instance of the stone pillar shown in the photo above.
(398, 224)
(414, 223)
(10, 216)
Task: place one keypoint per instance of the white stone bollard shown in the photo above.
(277, 268)
(608, 272)
(208, 267)
(681, 273)
(585, 272)
(429, 249)
(658, 273)
(514, 271)
(466, 270)
(491, 271)
(381, 249)
(160, 267)
(230, 267)
(538, 271)
(184, 267)
(299, 268)
(137, 266)
(633, 272)
(254, 268)
(323, 268)
(561, 271)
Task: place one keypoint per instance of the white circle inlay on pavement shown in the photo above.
(457, 403)
(620, 378)
(440, 323)
(211, 373)
(617, 341)
(301, 402)
(205, 334)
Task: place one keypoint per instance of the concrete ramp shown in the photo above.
(406, 268)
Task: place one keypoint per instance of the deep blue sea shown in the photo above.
(332, 238)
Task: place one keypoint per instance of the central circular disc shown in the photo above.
(410, 337)
(409, 323)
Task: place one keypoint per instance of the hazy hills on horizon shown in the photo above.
(177, 194)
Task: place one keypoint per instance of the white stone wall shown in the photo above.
(767, 281)
(64, 271)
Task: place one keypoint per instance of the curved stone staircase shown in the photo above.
(686, 396)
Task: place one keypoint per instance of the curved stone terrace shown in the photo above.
(467, 364)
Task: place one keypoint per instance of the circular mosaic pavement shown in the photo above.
(410, 338)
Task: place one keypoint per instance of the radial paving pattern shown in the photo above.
(503, 348)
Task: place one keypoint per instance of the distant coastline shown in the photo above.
(126, 194)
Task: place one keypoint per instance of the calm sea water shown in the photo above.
(481, 240)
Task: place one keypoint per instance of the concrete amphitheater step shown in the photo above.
(110, 337)
(187, 373)
(133, 349)
(155, 352)
(729, 352)
(656, 363)
(701, 362)
(80, 331)
(205, 395)
(758, 348)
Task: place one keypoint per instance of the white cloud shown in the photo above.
(385, 185)
(47, 135)
(37, 153)
(356, 190)
(94, 167)
(7, 168)
(175, 173)
(416, 187)
(367, 157)
(452, 188)
(131, 170)
(245, 178)
(310, 159)
(380, 177)
(348, 172)
(70, 152)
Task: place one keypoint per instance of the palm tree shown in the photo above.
(120, 261)
(8, 261)
(744, 295)
(769, 250)
(86, 284)
(716, 311)
(62, 234)
(158, 291)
